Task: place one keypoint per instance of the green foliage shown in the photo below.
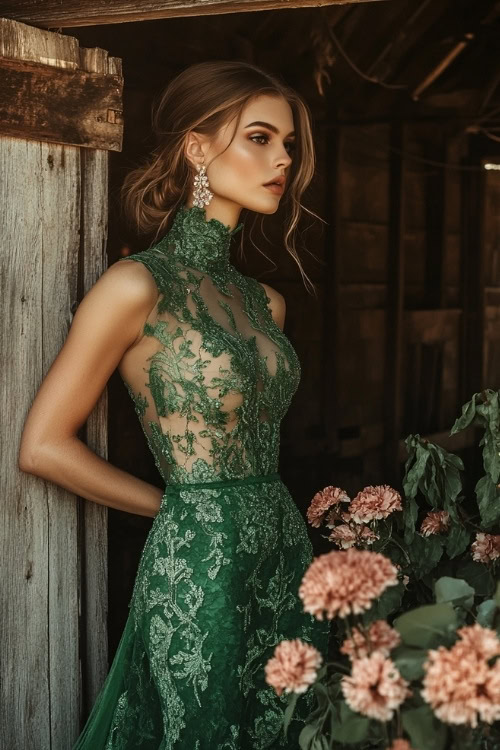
(478, 576)
(386, 605)
(424, 553)
(433, 473)
(425, 731)
(486, 613)
(457, 540)
(446, 590)
(488, 501)
(289, 711)
(409, 661)
(425, 626)
(351, 728)
(483, 410)
(454, 590)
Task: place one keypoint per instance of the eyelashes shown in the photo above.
(289, 145)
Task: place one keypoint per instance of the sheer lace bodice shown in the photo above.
(219, 373)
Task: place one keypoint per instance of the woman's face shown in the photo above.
(260, 152)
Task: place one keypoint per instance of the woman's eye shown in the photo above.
(264, 139)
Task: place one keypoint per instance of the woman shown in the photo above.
(201, 350)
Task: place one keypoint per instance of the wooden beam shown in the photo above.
(57, 14)
(60, 105)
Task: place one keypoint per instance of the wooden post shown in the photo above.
(54, 215)
(435, 204)
(331, 298)
(472, 277)
(395, 306)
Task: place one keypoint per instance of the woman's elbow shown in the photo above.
(26, 459)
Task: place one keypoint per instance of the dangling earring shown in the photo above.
(201, 193)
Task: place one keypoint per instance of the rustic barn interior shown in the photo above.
(405, 325)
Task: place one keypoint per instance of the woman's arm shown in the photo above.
(107, 322)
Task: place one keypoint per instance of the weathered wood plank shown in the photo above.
(60, 105)
(42, 229)
(40, 614)
(24, 691)
(54, 13)
(95, 170)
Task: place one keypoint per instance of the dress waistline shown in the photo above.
(252, 479)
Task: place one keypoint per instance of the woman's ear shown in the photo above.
(194, 148)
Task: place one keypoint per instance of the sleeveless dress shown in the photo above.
(217, 584)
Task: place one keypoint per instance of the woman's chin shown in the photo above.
(264, 207)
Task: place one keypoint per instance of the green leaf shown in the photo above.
(426, 626)
(488, 500)
(478, 576)
(289, 711)
(353, 727)
(425, 553)
(467, 417)
(454, 590)
(320, 743)
(497, 594)
(307, 736)
(486, 613)
(410, 513)
(457, 540)
(409, 661)
(424, 730)
(387, 604)
(418, 455)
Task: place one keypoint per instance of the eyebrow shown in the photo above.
(269, 127)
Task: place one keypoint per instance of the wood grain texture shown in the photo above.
(54, 13)
(39, 658)
(60, 105)
(94, 262)
(42, 192)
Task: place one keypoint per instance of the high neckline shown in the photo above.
(198, 242)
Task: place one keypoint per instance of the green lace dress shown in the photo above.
(217, 583)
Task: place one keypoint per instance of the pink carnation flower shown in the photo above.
(486, 548)
(435, 522)
(379, 637)
(293, 667)
(322, 501)
(459, 684)
(400, 745)
(374, 503)
(483, 641)
(343, 536)
(342, 582)
(375, 687)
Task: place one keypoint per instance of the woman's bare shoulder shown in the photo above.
(129, 278)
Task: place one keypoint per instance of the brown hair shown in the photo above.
(204, 98)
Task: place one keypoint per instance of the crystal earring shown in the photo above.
(201, 193)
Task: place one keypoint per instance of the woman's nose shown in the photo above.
(284, 158)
